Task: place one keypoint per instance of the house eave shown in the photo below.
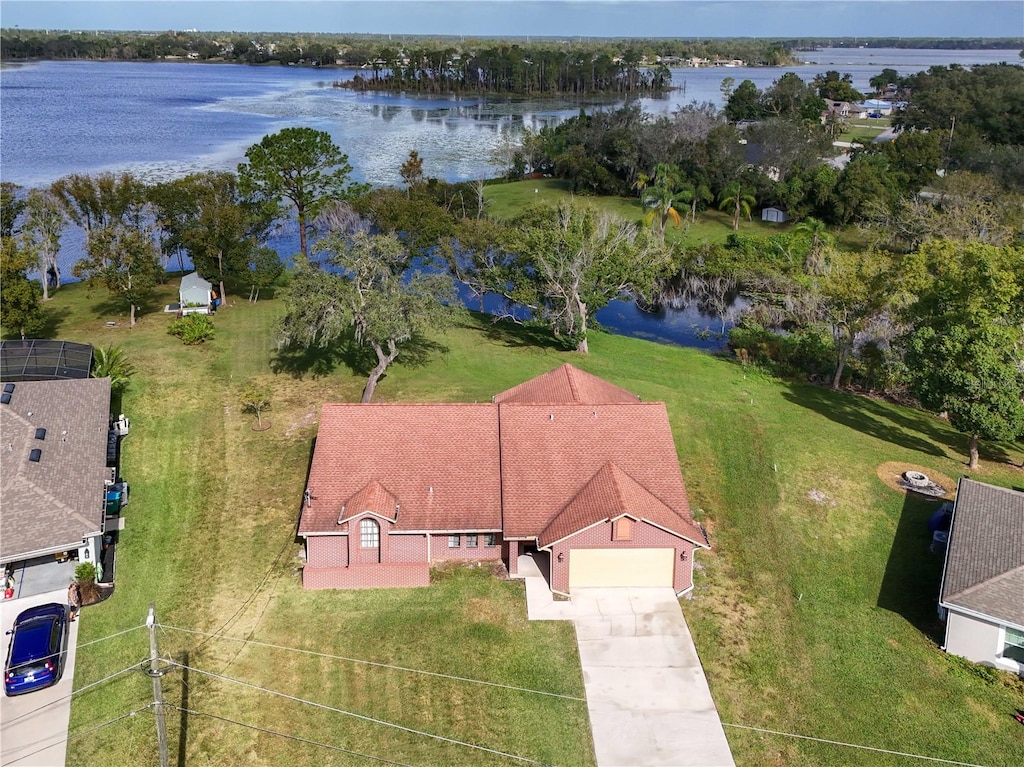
(953, 607)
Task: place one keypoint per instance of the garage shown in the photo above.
(621, 568)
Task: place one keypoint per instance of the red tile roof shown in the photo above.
(608, 495)
(549, 452)
(523, 469)
(374, 498)
(566, 384)
(439, 462)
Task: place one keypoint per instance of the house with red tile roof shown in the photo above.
(566, 467)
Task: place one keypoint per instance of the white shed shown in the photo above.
(195, 294)
(774, 215)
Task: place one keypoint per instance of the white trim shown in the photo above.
(570, 535)
(342, 520)
(637, 519)
(1000, 622)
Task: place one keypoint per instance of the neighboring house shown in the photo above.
(877, 107)
(195, 294)
(844, 110)
(53, 468)
(565, 463)
(982, 593)
(774, 215)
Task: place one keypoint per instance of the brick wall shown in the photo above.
(327, 550)
(645, 536)
(407, 548)
(371, 576)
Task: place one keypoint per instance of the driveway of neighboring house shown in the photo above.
(648, 699)
(34, 726)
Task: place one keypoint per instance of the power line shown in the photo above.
(852, 745)
(74, 692)
(104, 639)
(71, 736)
(379, 665)
(289, 737)
(362, 717)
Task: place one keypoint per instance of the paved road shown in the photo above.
(34, 726)
(648, 698)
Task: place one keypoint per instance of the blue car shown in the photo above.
(35, 658)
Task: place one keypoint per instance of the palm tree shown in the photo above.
(659, 199)
(642, 180)
(820, 241)
(112, 362)
(735, 196)
(695, 194)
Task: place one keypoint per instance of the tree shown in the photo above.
(744, 103)
(855, 293)
(265, 268)
(660, 198)
(125, 261)
(412, 169)
(11, 206)
(255, 398)
(370, 292)
(97, 202)
(965, 354)
(44, 225)
(883, 79)
(696, 193)
(577, 261)
(736, 197)
(204, 215)
(20, 306)
(112, 362)
(301, 165)
(836, 87)
(819, 243)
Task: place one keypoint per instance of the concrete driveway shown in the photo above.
(648, 698)
(34, 726)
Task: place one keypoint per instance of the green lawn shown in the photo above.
(507, 199)
(814, 618)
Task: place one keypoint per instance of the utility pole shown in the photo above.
(158, 695)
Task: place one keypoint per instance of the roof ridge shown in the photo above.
(570, 374)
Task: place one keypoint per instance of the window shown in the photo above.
(453, 541)
(369, 534)
(471, 540)
(490, 539)
(1013, 644)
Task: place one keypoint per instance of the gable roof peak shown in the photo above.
(566, 384)
(374, 498)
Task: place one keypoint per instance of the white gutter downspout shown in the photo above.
(428, 548)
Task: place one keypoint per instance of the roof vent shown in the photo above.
(40, 433)
(35, 455)
(8, 388)
(5, 398)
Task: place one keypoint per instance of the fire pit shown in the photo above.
(919, 482)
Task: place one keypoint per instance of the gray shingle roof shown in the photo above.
(985, 557)
(51, 504)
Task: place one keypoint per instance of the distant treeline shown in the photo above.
(315, 49)
(511, 69)
(943, 43)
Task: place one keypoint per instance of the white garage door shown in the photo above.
(610, 568)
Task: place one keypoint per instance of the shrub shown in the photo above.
(85, 572)
(192, 329)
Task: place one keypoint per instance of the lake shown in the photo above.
(163, 120)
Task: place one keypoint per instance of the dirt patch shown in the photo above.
(891, 472)
(307, 420)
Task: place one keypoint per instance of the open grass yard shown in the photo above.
(711, 225)
(814, 613)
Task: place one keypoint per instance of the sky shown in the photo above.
(562, 18)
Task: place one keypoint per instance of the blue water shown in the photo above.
(165, 120)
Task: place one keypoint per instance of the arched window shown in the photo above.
(369, 534)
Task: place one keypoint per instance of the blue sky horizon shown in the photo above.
(541, 18)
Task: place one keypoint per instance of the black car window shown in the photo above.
(55, 637)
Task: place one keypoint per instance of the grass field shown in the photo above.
(813, 617)
(506, 200)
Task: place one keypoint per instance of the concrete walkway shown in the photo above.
(647, 695)
(648, 698)
(34, 726)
